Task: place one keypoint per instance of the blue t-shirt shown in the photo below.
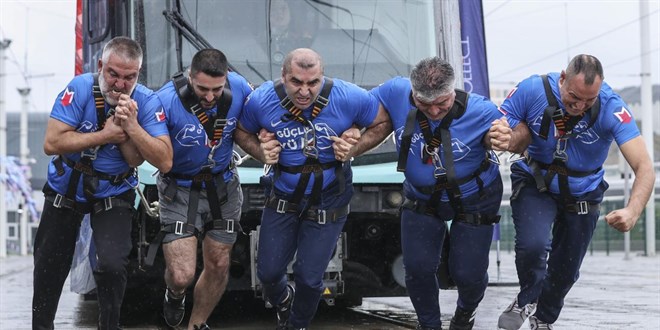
(586, 151)
(75, 107)
(190, 142)
(349, 104)
(467, 133)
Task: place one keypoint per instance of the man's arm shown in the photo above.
(352, 143)
(63, 139)
(263, 147)
(156, 150)
(638, 157)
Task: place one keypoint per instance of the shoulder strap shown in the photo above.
(550, 111)
(553, 113)
(434, 139)
(99, 103)
(406, 139)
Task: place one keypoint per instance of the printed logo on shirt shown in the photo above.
(160, 115)
(191, 135)
(67, 97)
(623, 115)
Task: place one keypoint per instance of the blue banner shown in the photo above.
(473, 42)
(475, 63)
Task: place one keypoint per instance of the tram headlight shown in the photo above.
(394, 199)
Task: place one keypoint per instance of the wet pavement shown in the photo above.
(612, 293)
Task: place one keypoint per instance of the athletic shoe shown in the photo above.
(202, 326)
(462, 320)
(284, 309)
(174, 309)
(536, 324)
(514, 316)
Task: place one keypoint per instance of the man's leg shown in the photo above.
(180, 265)
(112, 240)
(421, 242)
(212, 282)
(54, 245)
(533, 216)
(572, 234)
(316, 243)
(277, 245)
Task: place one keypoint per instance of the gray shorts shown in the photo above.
(177, 210)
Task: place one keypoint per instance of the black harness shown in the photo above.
(311, 165)
(446, 179)
(84, 169)
(558, 166)
(213, 183)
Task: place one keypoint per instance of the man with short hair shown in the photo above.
(201, 198)
(99, 137)
(310, 187)
(557, 189)
(442, 138)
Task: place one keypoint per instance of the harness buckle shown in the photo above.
(321, 215)
(230, 226)
(582, 207)
(58, 201)
(322, 101)
(281, 206)
(90, 153)
(220, 122)
(178, 228)
(107, 203)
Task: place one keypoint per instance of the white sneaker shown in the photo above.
(514, 316)
(536, 324)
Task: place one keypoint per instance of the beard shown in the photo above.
(111, 95)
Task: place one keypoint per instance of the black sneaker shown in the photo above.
(174, 309)
(462, 320)
(202, 326)
(284, 309)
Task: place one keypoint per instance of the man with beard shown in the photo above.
(99, 137)
(200, 200)
(310, 188)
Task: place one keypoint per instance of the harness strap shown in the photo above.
(553, 112)
(212, 183)
(423, 207)
(213, 126)
(442, 184)
(316, 215)
(305, 171)
(90, 171)
(227, 225)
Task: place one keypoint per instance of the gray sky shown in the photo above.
(523, 37)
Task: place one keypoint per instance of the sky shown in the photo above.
(523, 37)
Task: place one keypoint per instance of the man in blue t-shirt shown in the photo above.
(556, 191)
(310, 185)
(99, 137)
(201, 198)
(441, 136)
